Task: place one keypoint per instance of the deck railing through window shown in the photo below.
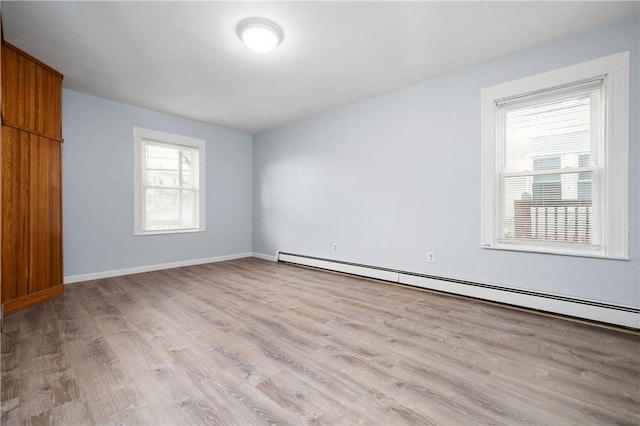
(554, 220)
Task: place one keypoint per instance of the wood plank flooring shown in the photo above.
(250, 342)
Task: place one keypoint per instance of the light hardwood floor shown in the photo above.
(254, 342)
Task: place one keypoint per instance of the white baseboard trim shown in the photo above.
(364, 271)
(539, 302)
(268, 257)
(627, 316)
(148, 268)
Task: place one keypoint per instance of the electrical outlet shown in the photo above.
(335, 246)
(431, 257)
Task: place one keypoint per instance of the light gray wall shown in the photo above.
(395, 176)
(98, 189)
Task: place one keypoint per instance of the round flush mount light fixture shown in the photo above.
(260, 35)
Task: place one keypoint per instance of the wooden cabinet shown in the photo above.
(31, 221)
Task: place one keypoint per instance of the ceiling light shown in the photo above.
(259, 34)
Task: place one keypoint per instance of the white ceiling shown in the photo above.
(186, 59)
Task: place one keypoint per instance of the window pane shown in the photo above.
(169, 166)
(168, 209)
(551, 129)
(545, 214)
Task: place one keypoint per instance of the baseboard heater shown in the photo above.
(626, 316)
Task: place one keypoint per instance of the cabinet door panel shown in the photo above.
(45, 204)
(15, 212)
(18, 99)
(32, 94)
(49, 103)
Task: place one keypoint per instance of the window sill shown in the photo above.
(168, 231)
(532, 248)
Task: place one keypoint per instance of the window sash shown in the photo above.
(180, 171)
(580, 225)
(573, 219)
(179, 224)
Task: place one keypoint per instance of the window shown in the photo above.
(554, 161)
(169, 183)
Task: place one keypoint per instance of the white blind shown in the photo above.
(550, 190)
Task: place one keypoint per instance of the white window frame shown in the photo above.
(139, 168)
(614, 150)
